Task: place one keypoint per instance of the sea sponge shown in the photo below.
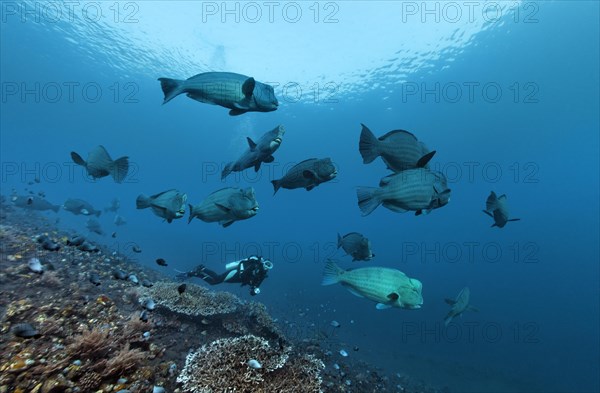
(222, 366)
(196, 300)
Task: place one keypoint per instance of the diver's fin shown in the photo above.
(171, 88)
(423, 161)
(368, 145)
(381, 306)
(120, 169)
(77, 159)
(248, 87)
(450, 301)
(367, 199)
(257, 166)
(237, 112)
(251, 143)
(268, 159)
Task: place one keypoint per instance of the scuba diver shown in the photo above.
(250, 271)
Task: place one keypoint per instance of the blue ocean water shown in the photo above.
(509, 102)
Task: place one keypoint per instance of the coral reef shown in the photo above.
(195, 301)
(224, 362)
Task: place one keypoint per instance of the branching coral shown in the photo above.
(223, 366)
(196, 300)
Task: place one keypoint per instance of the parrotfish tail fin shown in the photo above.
(77, 159)
(226, 171)
(276, 186)
(367, 199)
(368, 145)
(331, 273)
(423, 161)
(339, 241)
(171, 88)
(448, 319)
(120, 169)
(142, 202)
(191, 217)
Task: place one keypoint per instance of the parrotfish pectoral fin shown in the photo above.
(223, 207)
(257, 166)
(251, 143)
(225, 224)
(309, 175)
(310, 187)
(237, 112)
(354, 292)
(450, 301)
(419, 212)
(381, 306)
(488, 213)
(248, 87)
(269, 159)
(423, 161)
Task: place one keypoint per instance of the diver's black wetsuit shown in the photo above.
(250, 271)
